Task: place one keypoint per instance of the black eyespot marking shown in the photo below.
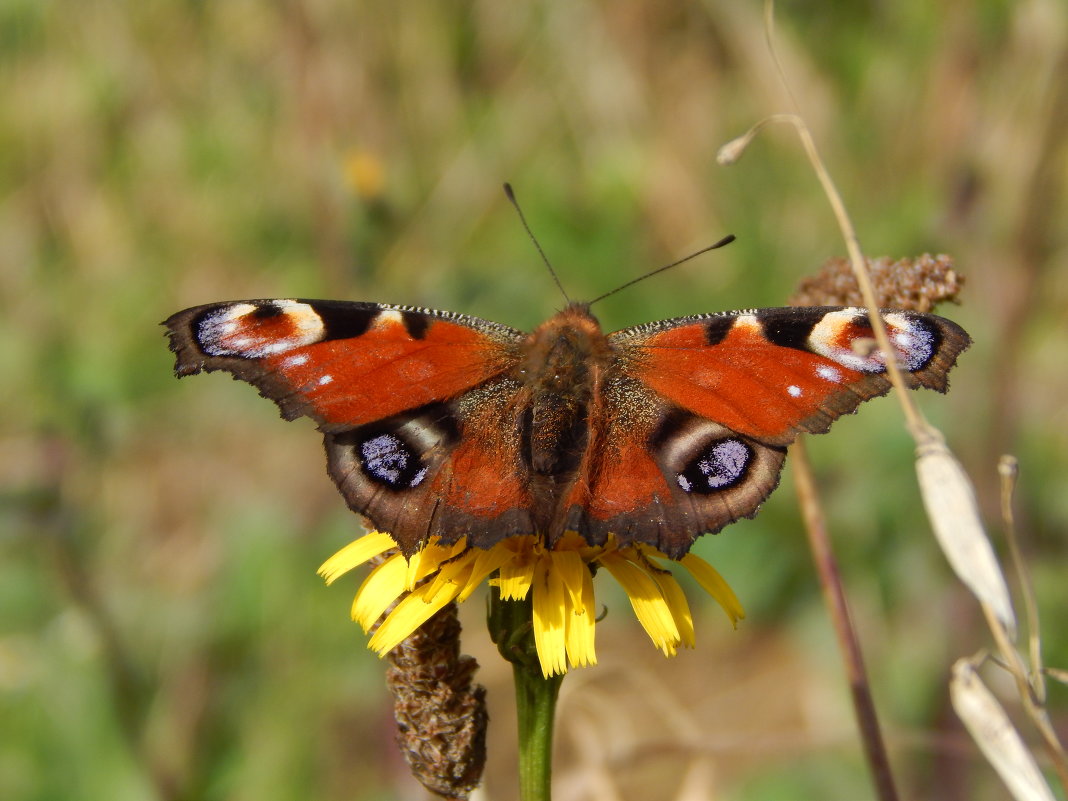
(788, 331)
(201, 325)
(917, 340)
(267, 311)
(389, 460)
(397, 454)
(343, 321)
(717, 328)
(721, 464)
(415, 324)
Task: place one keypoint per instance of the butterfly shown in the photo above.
(442, 425)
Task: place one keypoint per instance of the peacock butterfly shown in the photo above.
(438, 424)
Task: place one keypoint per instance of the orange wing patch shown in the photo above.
(628, 479)
(482, 481)
(744, 382)
(386, 371)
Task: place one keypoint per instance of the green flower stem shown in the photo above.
(535, 700)
(511, 627)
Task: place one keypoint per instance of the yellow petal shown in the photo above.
(680, 609)
(454, 572)
(516, 575)
(486, 561)
(429, 558)
(423, 562)
(409, 615)
(549, 600)
(715, 585)
(648, 602)
(570, 567)
(382, 587)
(580, 623)
(355, 554)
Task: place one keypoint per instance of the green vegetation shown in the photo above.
(162, 631)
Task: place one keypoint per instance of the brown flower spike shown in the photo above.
(441, 715)
(917, 284)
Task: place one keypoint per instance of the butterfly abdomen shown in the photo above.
(562, 361)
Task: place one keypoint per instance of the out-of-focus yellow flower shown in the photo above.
(560, 579)
(364, 174)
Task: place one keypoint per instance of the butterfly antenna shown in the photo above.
(511, 197)
(724, 241)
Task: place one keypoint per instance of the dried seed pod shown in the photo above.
(917, 284)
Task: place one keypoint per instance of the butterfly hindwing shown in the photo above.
(445, 470)
(662, 476)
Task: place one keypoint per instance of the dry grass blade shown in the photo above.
(1030, 679)
(995, 735)
(1009, 470)
(1056, 674)
(848, 642)
(950, 502)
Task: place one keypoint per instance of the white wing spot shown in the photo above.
(296, 361)
(326, 379)
(795, 391)
(829, 331)
(724, 463)
(747, 321)
(828, 373)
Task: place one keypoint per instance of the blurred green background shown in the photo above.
(162, 632)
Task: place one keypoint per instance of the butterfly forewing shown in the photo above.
(342, 364)
(774, 373)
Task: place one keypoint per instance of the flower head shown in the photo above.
(560, 580)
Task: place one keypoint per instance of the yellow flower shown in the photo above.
(559, 578)
(364, 173)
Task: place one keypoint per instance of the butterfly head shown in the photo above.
(559, 355)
